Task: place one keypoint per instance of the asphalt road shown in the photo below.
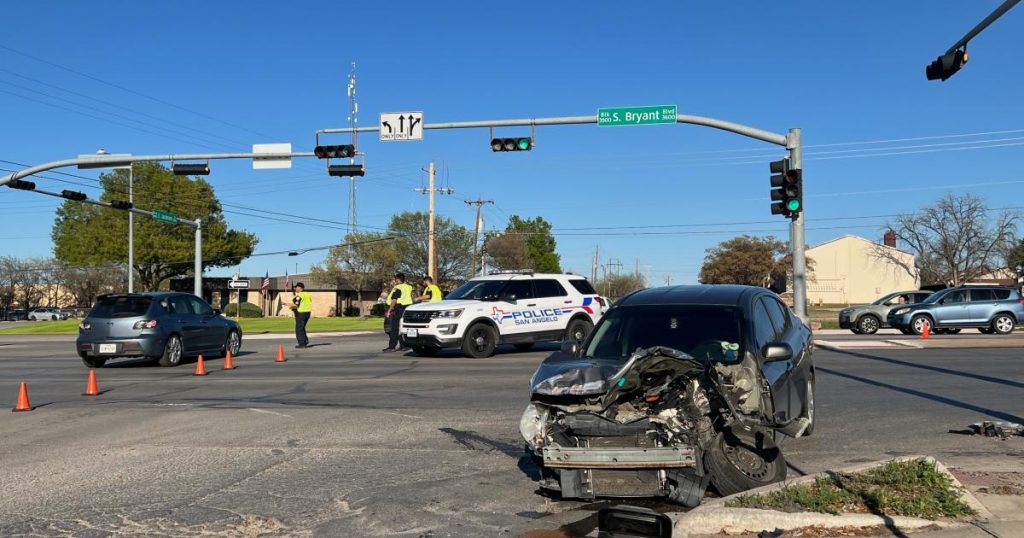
(344, 441)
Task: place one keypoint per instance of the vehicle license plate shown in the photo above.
(412, 332)
(108, 348)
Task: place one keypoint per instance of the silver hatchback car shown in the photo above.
(162, 326)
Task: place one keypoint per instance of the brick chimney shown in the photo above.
(889, 239)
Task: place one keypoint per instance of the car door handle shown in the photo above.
(567, 302)
(531, 304)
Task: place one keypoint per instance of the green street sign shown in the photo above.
(636, 115)
(165, 216)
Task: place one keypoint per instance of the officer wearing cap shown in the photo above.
(302, 305)
(399, 298)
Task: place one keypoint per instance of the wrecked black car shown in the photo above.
(676, 388)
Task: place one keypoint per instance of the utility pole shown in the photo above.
(594, 263)
(477, 224)
(352, 121)
(131, 230)
(668, 280)
(431, 239)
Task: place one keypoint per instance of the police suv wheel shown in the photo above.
(479, 341)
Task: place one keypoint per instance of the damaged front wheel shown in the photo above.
(739, 460)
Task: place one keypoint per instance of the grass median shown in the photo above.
(249, 326)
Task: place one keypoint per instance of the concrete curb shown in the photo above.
(713, 517)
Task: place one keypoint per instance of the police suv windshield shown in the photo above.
(478, 290)
(703, 332)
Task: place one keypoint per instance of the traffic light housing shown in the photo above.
(512, 144)
(73, 195)
(946, 65)
(343, 151)
(341, 170)
(21, 184)
(201, 169)
(787, 194)
(121, 204)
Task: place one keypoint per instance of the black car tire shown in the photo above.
(92, 362)
(809, 407)
(986, 330)
(855, 330)
(868, 324)
(425, 351)
(1002, 324)
(53, 318)
(917, 324)
(952, 331)
(739, 460)
(525, 346)
(173, 351)
(578, 330)
(907, 331)
(480, 341)
(232, 342)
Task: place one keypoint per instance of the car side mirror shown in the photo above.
(778, 351)
(632, 522)
(216, 312)
(570, 347)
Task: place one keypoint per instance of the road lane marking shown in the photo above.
(268, 412)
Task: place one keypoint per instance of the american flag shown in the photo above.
(266, 284)
(287, 281)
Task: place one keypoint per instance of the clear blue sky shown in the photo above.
(276, 71)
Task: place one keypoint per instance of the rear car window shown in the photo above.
(583, 286)
(549, 288)
(122, 306)
(1002, 294)
(982, 295)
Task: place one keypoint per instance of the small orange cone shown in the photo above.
(91, 388)
(926, 333)
(22, 404)
(280, 354)
(200, 367)
(229, 363)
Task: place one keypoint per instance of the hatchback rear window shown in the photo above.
(120, 306)
(583, 286)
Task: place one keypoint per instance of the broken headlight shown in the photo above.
(531, 425)
(570, 384)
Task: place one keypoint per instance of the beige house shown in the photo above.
(851, 270)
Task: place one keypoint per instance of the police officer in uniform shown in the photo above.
(399, 298)
(431, 293)
(302, 304)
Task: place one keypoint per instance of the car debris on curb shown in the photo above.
(992, 428)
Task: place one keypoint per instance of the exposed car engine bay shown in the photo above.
(663, 424)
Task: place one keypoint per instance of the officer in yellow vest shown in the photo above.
(431, 293)
(302, 305)
(399, 298)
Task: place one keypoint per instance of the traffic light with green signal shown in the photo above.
(512, 144)
(787, 194)
(343, 151)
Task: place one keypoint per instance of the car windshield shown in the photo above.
(480, 290)
(703, 332)
(934, 298)
(888, 299)
(120, 306)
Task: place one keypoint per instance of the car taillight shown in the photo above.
(145, 324)
(600, 301)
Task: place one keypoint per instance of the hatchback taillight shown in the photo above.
(145, 324)
(600, 301)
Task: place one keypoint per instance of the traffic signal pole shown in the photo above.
(790, 141)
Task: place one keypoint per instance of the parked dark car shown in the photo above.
(675, 387)
(990, 309)
(16, 314)
(162, 326)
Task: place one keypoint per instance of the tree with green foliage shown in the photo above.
(453, 241)
(84, 234)
(617, 285)
(530, 236)
(366, 259)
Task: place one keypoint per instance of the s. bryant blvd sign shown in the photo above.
(636, 115)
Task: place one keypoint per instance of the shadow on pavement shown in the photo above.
(939, 369)
(926, 395)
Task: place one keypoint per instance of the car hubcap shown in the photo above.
(480, 339)
(919, 325)
(233, 343)
(175, 350)
(748, 463)
(869, 325)
(1003, 324)
(810, 402)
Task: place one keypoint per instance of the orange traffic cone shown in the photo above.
(200, 367)
(22, 404)
(926, 333)
(280, 354)
(91, 387)
(229, 363)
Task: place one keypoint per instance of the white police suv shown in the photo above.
(504, 308)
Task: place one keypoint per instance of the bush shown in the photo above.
(351, 312)
(249, 310)
(379, 309)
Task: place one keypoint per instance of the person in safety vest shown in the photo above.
(399, 298)
(302, 305)
(431, 293)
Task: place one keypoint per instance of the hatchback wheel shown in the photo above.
(233, 344)
(1003, 324)
(172, 351)
(92, 362)
(809, 407)
(868, 324)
